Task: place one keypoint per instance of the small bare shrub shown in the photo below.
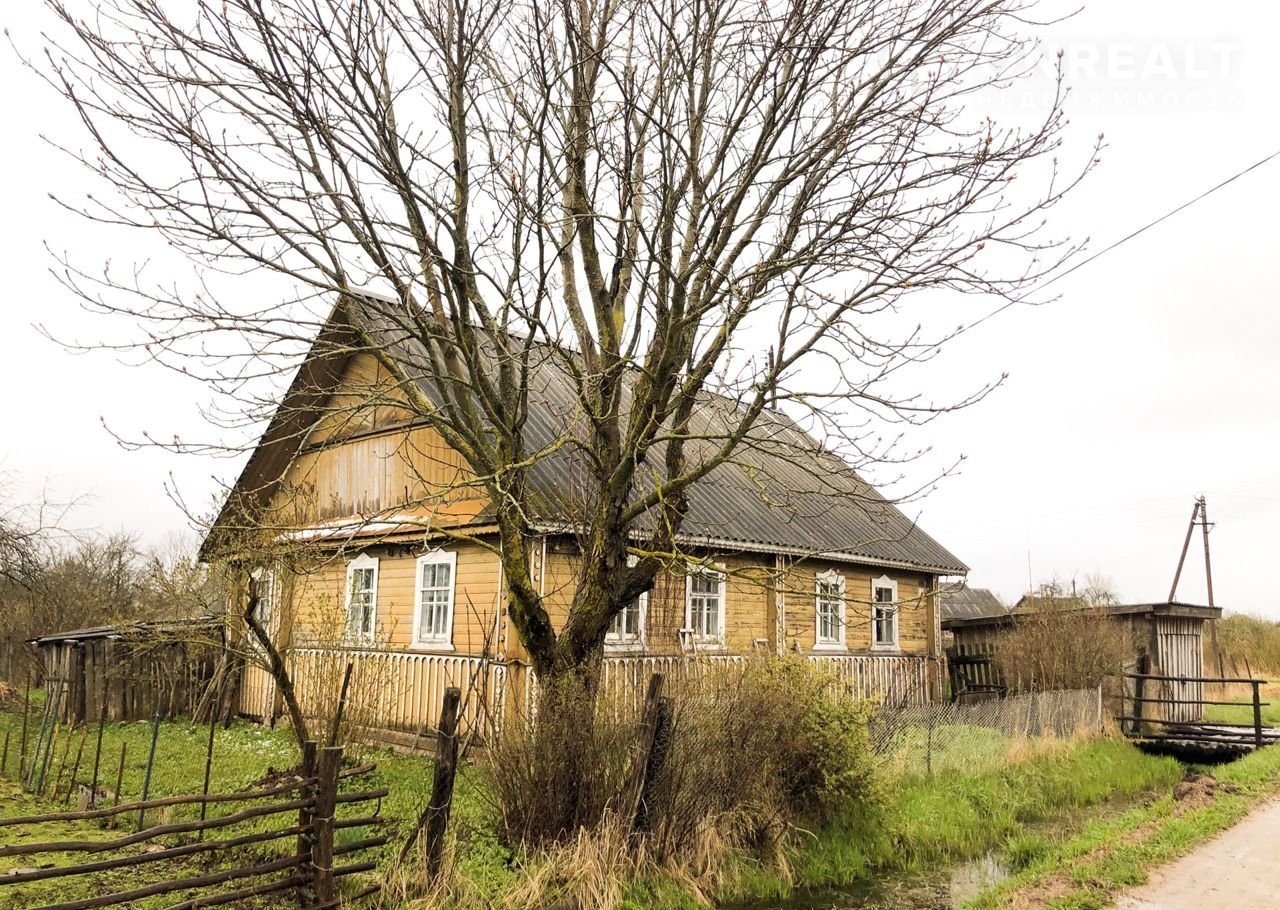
(563, 770)
(1063, 644)
(755, 748)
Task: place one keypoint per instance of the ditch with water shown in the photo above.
(942, 890)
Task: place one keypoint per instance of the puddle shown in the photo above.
(943, 891)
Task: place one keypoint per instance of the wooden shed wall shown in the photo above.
(134, 676)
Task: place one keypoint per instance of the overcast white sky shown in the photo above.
(1153, 378)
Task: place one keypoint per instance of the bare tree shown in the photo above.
(679, 206)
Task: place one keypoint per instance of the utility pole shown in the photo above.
(1205, 526)
(1200, 516)
(1186, 544)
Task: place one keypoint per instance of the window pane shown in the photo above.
(625, 625)
(435, 593)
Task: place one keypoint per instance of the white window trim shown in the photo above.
(621, 644)
(443, 642)
(616, 643)
(265, 577)
(884, 581)
(363, 561)
(839, 642)
(704, 642)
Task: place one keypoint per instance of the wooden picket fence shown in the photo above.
(404, 690)
(275, 840)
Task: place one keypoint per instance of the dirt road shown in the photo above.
(1239, 870)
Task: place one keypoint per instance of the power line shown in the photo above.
(1127, 237)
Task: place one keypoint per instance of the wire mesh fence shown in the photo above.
(932, 738)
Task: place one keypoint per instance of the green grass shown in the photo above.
(952, 748)
(915, 823)
(921, 824)
(243, 755)
(1242, 713)
(1111, 854)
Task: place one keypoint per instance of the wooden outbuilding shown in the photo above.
(1166, 639)
(134, 666)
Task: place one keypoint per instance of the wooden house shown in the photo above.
(788, 550)
(1164, 639)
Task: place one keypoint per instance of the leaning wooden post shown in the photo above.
(644, 745)
(657, 758)
(97, 753)
(75, 768)
(26, 711)
(1257, 713)
(306, 816)
(436, 818)
(208, 768)
(342, 705)
(119, 776)
(322, 880)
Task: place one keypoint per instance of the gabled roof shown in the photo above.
(781, 493)
(964, 602)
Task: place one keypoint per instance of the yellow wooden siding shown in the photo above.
(359, 459)
(364, 399)
(319, 600)
(752, 588)
(915, 606)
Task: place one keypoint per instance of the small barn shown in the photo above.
(1166, 639)
(969, 658)
(133, 667)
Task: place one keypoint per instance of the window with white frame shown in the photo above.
(829, 603)
(433, 598)
(884, 613)
(704, 607)
(264, 580)
(626, 630)
(362, 598)
(627, 627)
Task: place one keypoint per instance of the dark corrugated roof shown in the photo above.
(964, 602)
(781, 492)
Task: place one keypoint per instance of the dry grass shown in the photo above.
(592, 869)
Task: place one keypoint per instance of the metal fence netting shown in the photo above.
(975, 736)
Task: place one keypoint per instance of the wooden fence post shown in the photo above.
(1257, 714)
(435, 819)
(306, 816)
(1139, 690)
(342, 705)
(657, 757)
(644, 746)
(322, 881)
(26, 712)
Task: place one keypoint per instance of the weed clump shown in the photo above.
(754, 750)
